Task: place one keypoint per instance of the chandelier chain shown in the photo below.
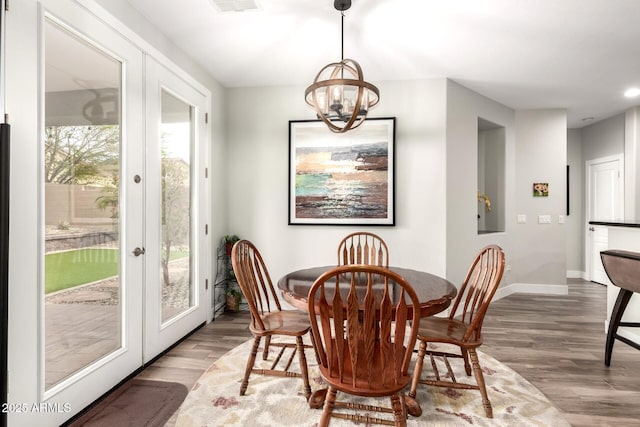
(342, 37)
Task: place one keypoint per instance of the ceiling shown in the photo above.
(580, 55)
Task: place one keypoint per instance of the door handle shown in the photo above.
(138, 251)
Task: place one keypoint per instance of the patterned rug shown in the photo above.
(273, 401)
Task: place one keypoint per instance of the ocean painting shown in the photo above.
(341, 178)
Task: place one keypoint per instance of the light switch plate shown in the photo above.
(560, 219)
(544, 219)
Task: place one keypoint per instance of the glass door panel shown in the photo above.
(176, 140)
(82, 167)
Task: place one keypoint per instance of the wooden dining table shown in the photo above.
(434, 292)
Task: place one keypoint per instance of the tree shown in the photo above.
(175, 209)
(79, 154)
(109, 199)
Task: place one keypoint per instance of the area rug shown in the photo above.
(136, 403)
(274, 401)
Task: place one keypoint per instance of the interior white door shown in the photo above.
(176, 234)
(605, 198)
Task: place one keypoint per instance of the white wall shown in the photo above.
(463, 242)
(258, 177)
(541, 156)
(436, 143)
(632, 164)
(575, 220)
(604, 138)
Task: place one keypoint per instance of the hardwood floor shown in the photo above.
(186, 362)
(556, 342)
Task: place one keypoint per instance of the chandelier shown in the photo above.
(339, 93)
(103, 109)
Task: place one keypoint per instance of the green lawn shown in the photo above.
(71, 268)
(64, 270)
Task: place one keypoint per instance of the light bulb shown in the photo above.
(632, 92)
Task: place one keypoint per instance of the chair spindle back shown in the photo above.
(478, 288)
(359, 320)
(254, 281)
(363, 248)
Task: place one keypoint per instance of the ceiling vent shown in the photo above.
(235, 5)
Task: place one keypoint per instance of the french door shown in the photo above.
(176, 208)
(91, 148)
(121, 203)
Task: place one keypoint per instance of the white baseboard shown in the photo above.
(574, 274)
(530, 288)
(522, 288)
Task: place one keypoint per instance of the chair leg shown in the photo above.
(417, 371)
(303, 366)
(412, 406)
(399, 412)
(249, 368)
(267, 343)
(465, 356)
(316, 401)
(329, 404)
(616, 315)
(477, 370)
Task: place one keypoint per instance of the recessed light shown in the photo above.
(235, 5)
(632, 92)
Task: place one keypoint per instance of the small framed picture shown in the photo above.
(540, 189)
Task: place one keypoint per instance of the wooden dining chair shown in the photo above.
(267, 317)
(463, 326)
(364, 341)
(363, 248)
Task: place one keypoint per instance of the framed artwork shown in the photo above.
(342, 178)
(540, 189)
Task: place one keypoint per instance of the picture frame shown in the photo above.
(540, 189)
(342, 178)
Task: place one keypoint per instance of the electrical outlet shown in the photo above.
(521, 219)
